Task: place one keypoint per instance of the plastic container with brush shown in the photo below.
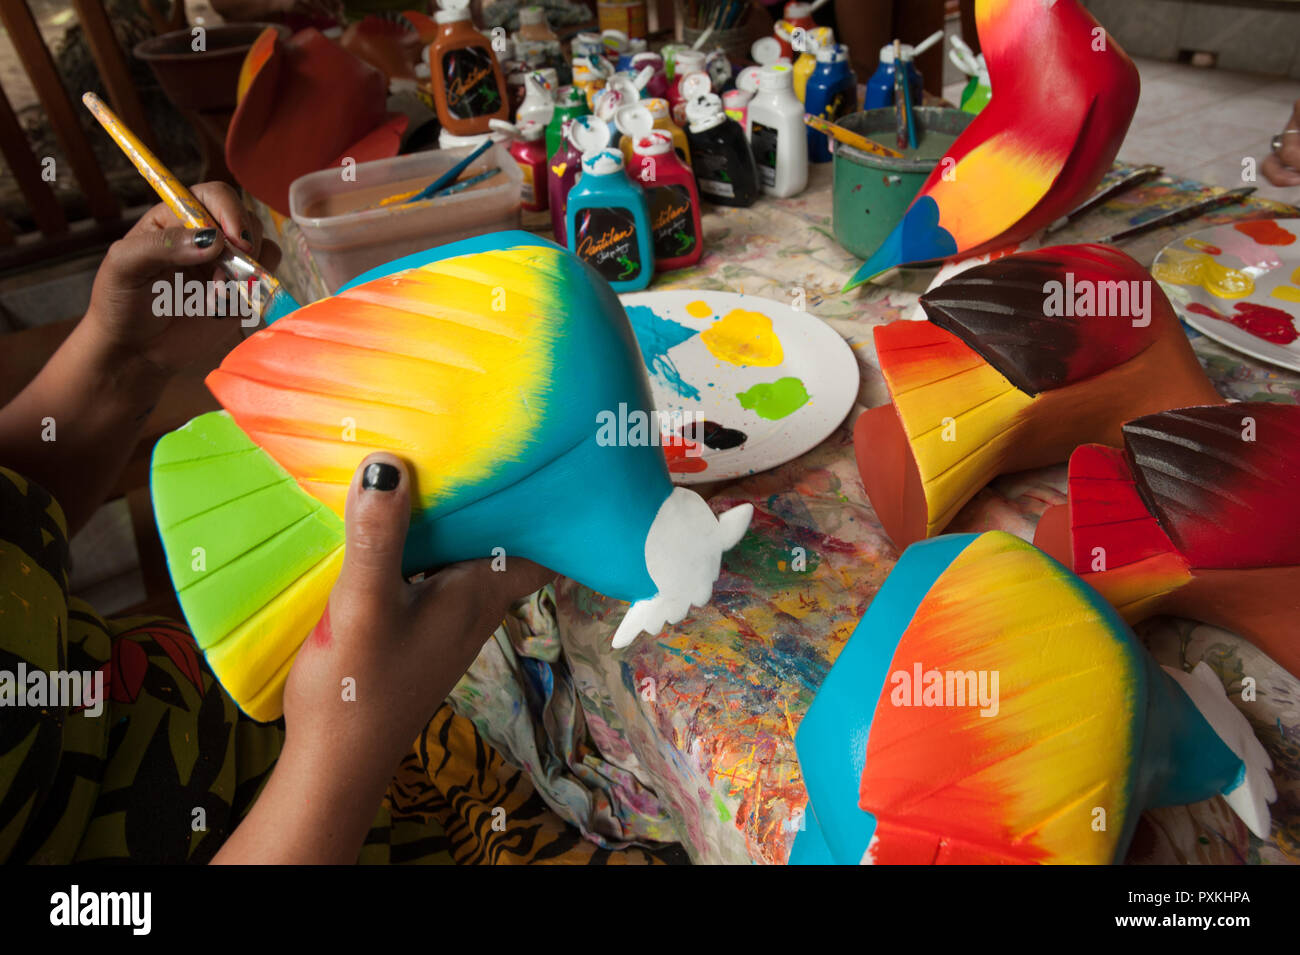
(349, 230)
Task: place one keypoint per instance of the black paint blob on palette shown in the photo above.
(715, 435)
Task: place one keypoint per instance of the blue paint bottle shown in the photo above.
(608, 223)
(832, 92)
(880, 88)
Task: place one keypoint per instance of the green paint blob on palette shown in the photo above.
(768, 382)
(775, 400)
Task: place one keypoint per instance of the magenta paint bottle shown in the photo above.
(581, 134)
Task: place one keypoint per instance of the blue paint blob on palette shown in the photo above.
(742, 384)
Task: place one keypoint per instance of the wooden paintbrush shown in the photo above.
(850, 138)
(261, 291)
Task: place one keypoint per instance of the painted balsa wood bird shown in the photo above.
(1196, 516)
(992, 708)
(1064, 97)
(485, 365)
(1021, 360)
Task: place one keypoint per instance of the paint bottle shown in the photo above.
(807, 45)
(469, 89)
(590, 74)
(832, 93)
(718, 66)
(538, 105)
(528, 147)
(797, 16)
(657, 87)
(669, 52)
(635, 47)
(880, 88)
(671, 194)
(690, 86)
(687, 62)
(721, 159)
(564, 168)
(777, 134)
(658, 109)
(570, 104)
(588, 44)
(608, 222)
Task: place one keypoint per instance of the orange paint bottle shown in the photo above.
(469, 89)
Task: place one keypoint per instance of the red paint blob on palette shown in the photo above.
(683, 456)
(1265, 232)
(1271, 324)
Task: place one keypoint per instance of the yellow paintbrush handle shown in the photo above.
(850, 138)
(170, 190)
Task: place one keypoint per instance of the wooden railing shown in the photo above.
(54, 235)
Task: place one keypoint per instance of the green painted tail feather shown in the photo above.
(252, 555)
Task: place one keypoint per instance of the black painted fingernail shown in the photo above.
(246, 236)
(205, 237)
(380, 477)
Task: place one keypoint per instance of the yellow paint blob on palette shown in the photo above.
(742, 338)
(1239, 284)
(749, 382)
(1185, 268)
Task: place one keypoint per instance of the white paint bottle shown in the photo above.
(774, 125)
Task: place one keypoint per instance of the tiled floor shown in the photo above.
(1202, 123)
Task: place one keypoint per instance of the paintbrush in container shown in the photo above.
(902, 114)
(260, 290)
(850, 138)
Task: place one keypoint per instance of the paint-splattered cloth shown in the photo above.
(158, 765)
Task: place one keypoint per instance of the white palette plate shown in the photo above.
(771, 382)
(1273, 267)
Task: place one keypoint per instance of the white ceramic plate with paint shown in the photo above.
(1239, 284)
(768, 382)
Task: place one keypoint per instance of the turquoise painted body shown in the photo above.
(596, 538)
(602, 207)
(1179, 758)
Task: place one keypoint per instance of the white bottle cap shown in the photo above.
(776, 78)
(614, 40)
(657, 106)
(449, 140)
(609, 101)
(747, 79)
(528, 130)
(694, 84)
(797, 11)
(887, 52)
(766, 50)
(705, 112)
(736, 99)
(634, 121)
(602, 162)
(451, 11)
(834, 53)
(589, 134)
(654, 143)
(688, 61)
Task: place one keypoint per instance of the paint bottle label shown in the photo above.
(606, 239)
(470, 82)
(671, 221)
(764, 143)
(528, 188)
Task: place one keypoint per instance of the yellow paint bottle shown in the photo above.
(809, 42)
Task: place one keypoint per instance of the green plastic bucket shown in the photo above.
(871, 193)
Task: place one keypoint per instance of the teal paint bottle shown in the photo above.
(608, 223)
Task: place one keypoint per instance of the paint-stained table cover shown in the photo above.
(696, 726)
